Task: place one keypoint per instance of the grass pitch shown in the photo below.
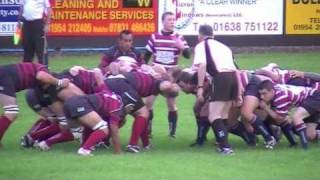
(169, 158)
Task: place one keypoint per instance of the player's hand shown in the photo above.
(46, 28)
(239, 101)
(263, 105)
(179, 43)
(98, 76)
(74, 71)
(63, 83)
(295, 74)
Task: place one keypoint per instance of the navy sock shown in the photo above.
(240, 131)
(198, 128)
(150, 122)
(173, 118)
(204, 126)
(286, 128)
(221, 133)
(302, 131)
(258, 125)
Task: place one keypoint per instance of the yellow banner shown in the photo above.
(302, 16)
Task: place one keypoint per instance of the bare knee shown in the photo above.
(142, 112)
(247, 114)
(311, 135)
(11, 111)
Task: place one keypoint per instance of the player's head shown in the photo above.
(125, 40)
(168, 21)
(266, 91)
(187, 81)
(205, 31)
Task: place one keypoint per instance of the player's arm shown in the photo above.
(147, 56)
(114, 127)
(279, 117)
(274, 77)
(47, 78)
(199, 60)
(241, 89)
(182, 44)
(150, 49)
(310, 75)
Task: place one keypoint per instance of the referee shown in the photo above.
(35, 15)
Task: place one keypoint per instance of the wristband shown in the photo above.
(60, 82)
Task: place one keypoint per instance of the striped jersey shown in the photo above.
(285, 78)
(163, 47)
(287, 96)
(23, 75)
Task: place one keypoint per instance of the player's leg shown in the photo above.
(201, 113)
(238, 128)
(250, 103)
(39, 40)
(299, 125)
(139, 130)
(28, 42)
(172, 115)
(216, 118)
(100, 131)
(10, 112)
(149, 101)
(63, 134)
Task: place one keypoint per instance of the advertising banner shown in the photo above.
(303, 17)
(227, 17)
(103, 17)
(9, 12)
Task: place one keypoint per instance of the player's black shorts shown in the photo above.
(225, 87)
(7, 85)
(77, 106)
(127, 93)
(315, 118)
(312, 103)
(252, 89)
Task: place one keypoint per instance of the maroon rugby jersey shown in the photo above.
(163, 48)
(143, 83)
(24, 74)
(108, 106)
(85, 80)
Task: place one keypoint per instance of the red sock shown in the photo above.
(4, 125)
(139, 125)
(145, 136)
(62, 136)
(45, 132)
(85, 134)
(41, 123)
(94, 138)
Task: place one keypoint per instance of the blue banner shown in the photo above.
(9, 12)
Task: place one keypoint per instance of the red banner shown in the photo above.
(103, 17)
